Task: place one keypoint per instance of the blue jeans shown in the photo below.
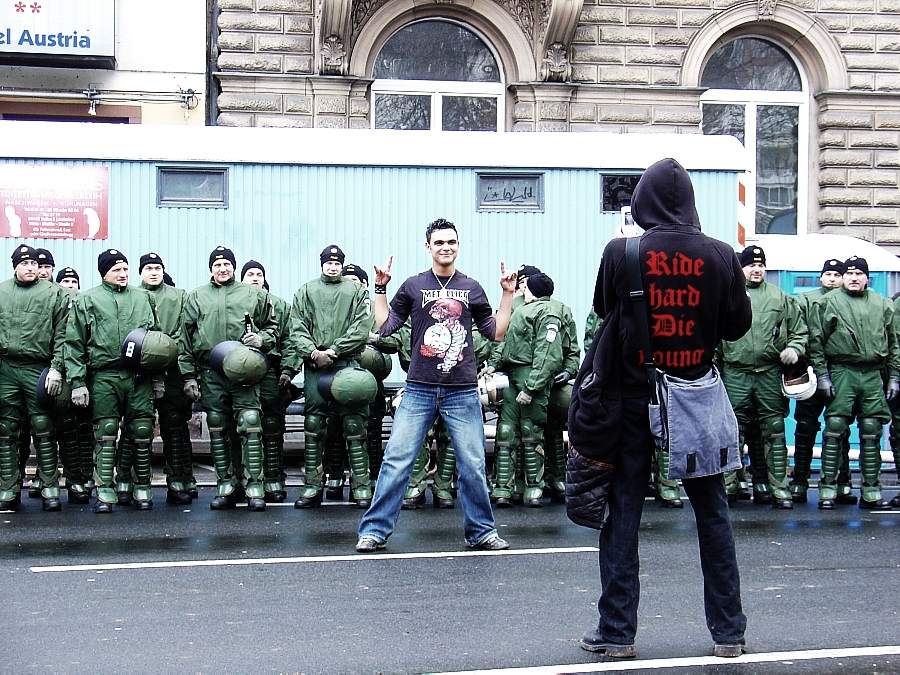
(460, 409)
(619, 563)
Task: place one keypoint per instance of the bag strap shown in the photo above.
(639, 305)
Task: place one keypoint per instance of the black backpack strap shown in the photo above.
(639, 305)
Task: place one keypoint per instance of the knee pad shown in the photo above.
(869, 427)
(354, 426)
(249, 420)
(215, 421)
(107, 429)
(506, 435)
(141, 429)
(774, 426)
(271, 426)
(41, 425)
(835, 425)
(314, 424)
(9, 428)
(530, 432)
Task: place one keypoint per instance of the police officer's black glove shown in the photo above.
(893, 388)
(564, 376)
(284, 381)
(825, 388)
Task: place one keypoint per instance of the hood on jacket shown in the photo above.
(664, 196)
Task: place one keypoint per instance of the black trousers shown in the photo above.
(619, 563)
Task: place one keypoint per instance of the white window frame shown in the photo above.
(751, 99)
(437, 89)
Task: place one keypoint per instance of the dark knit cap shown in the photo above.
(44, 257)
(856, 263)
(150, 259)
(109, 259)
(540, 285)
(332, 252)
(21, 253)
(356, 271)
(168, 280)
(67, 273)
(526, 271)
(752, 254)
(832, 265)
(252, 265)
(222, 253)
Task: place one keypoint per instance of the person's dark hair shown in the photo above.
(439, 224)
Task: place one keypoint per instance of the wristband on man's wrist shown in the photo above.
(381, 289)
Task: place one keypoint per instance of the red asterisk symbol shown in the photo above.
(35, 8)
(20, 6)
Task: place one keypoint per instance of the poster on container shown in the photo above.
(54, 202)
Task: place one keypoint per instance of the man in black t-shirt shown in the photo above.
(443, 304)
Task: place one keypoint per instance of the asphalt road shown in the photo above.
(811, 580)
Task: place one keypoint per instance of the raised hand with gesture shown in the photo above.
(383, 274)
(507, 278)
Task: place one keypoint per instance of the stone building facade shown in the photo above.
(600, 65)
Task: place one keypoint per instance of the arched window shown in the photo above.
(756, 95)
(437, 74)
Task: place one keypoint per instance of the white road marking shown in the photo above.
(310, 559)
(619, 665)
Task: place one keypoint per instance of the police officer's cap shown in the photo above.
(44, 257)
(109, 259)
(222, 253)
(22, 253)
(832, 265)
(332, 253)
(355, 271)
(752, 254)
(856, 263)
(150, 259)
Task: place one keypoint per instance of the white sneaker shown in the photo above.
(368, 544)
(492, 542)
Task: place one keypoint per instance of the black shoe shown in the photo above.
(518, 498)
(334, 494)
(256, 504)
(591, 642)
(413, 502)
(363, 502)
(826, 504)
(536, 503)
(222, 502)
(895, 502)
(309, 502)
(276, 497)
(143, 504)
(52, 504)
(439, 503)
(123, 498)
(193, 492)
(786, 504)
(178, 497)
(724, 651)
(11, 504)
(846, 498)
(78, 497)
(732, 498)
(878, 504)
(34, 492)
(798, 497)
(761, 497)
(744, 494)
(502, 502)
(102, 507)
(671, 503)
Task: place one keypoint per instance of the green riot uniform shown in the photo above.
(99, 321)
(330, 313)
(532, 355)
(274, 401)
(895, 412)
(852, 341)
(214, 313)
(174, 408)
(556, 420)
(591, 326)
(806, 415)
(32, 329)
(752, 377)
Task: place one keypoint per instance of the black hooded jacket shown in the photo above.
(693, 284)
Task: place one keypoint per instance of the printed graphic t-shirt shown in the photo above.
(442, 316)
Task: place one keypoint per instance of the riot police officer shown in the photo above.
(274, 390)
(808, 411)
(752, 378)
(330, 323)
(33, 314)
(99, 321)
(216, 315)
(852, 344)
(532, 355)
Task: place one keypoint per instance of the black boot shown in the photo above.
(311, 502)
(178, 497)
(102, 507)
(256, 504)
(222, 502)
